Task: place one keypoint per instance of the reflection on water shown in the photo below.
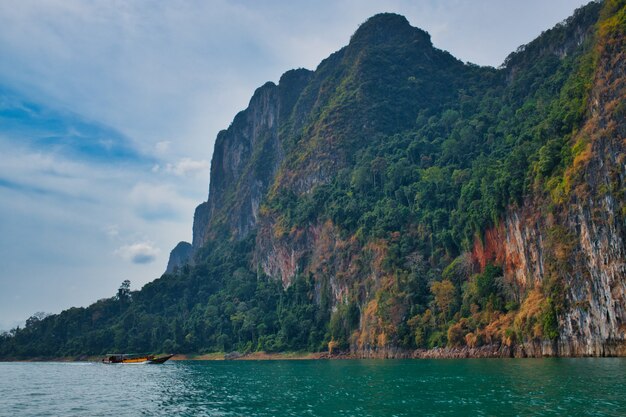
(548, 387)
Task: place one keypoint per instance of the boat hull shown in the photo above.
(135, 359)
(159, 360)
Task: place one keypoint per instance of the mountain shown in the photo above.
(397, 199)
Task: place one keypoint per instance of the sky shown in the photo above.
(109, 111)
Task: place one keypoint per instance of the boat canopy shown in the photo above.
(127, 355)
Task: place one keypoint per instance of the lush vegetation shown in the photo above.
(428, 153)
(218, 306)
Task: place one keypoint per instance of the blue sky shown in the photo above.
(109, 110)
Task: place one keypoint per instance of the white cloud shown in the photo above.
(162, 147)
(139, 253)
(187, 167)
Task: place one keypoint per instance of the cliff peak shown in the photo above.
(388, 28)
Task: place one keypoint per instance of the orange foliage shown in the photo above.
(497, 330)
(527, 319)
(471, 340)
(369, 325)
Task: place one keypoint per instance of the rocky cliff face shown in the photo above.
(582, 241)
(245, 160)
(179, 256)
(595, 321)
(561, 248)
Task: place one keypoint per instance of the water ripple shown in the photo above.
(544, 387)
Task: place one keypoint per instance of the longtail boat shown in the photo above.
(134, 358)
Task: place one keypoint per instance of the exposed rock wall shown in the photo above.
(245, 160)
(201, 220)
(179, 256)
(516, 244)
(595, 323)
(318, 250)
(587, 232)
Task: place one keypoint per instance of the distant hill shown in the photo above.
(397, 199)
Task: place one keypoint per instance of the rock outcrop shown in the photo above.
(245, 160)
(179, 256)
(583, 243)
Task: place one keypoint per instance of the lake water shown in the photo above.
(489, 387)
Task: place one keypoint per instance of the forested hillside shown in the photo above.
(398, 199)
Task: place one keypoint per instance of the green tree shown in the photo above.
(445, 296)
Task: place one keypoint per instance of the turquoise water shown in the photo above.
(489, 387)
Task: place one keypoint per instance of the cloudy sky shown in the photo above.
(109, 110)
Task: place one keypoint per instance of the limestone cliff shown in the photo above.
(179, 256)
(581, 241)
(407, 129)
(245, 160)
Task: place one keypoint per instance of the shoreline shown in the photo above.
(483, 352)
(538, 349)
